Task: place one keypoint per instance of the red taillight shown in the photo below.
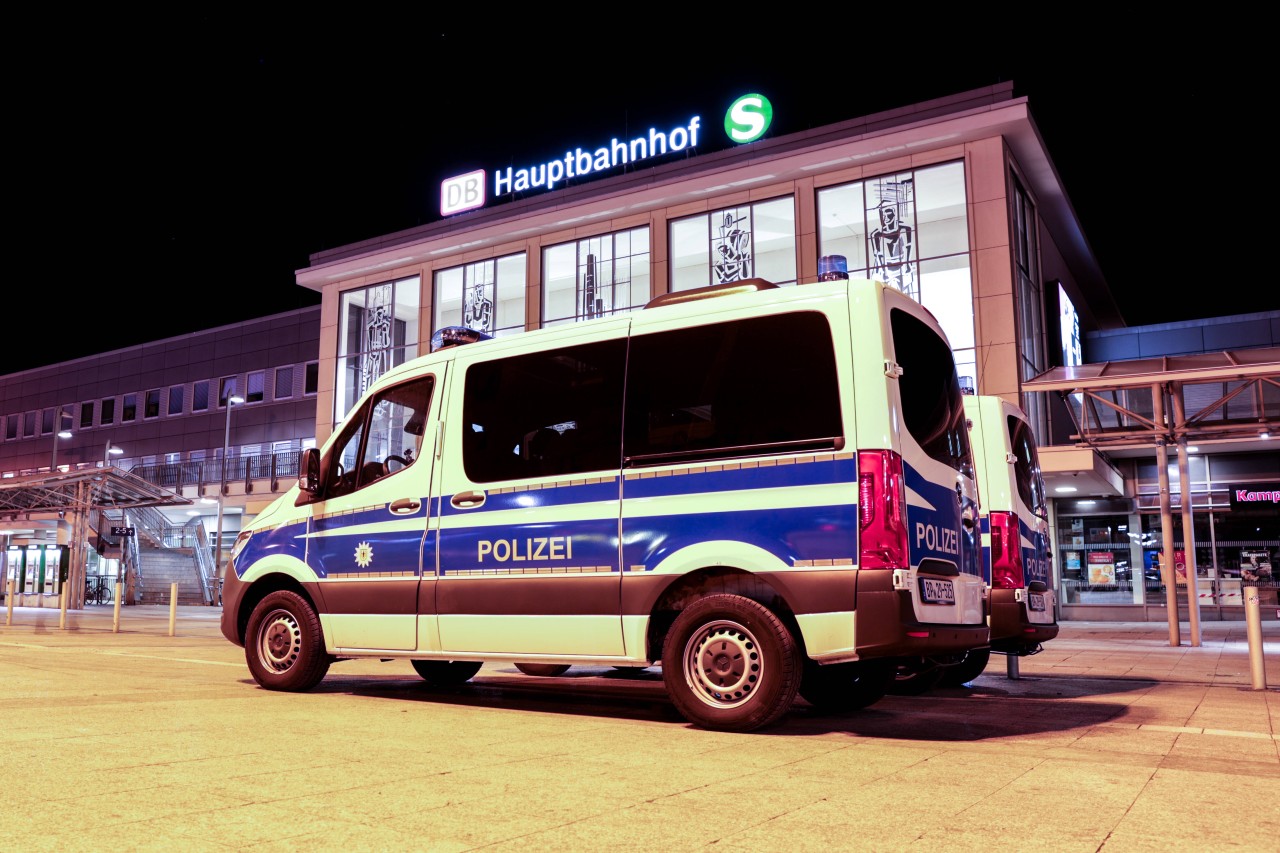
(1006, 552)
(882, 511)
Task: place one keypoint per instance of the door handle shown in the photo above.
(467, 500)
(405, 506)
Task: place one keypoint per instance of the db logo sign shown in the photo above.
(463, 192)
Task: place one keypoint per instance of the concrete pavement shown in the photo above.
(1110, 739)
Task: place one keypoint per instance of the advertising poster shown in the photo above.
(1102, 567)
(1072, 563)
(1255, 565)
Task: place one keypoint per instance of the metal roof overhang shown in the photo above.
(109, 489)
(1219, 401)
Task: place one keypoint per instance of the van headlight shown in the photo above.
(241, 541)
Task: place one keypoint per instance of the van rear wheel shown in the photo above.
(446, 673)
(845, 686)
(729, 663)
(284, 644)
(975, 661)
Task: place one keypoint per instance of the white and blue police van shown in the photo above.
(766, 491)
(1014, 511)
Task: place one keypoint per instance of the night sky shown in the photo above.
(172, 174)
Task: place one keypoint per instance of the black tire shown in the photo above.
(546, 670)
(284, 645)
(846, 686)
(446, 673)
(975, 661)
(913, 678)
(729, 663)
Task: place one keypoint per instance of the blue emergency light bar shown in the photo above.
(452, 336)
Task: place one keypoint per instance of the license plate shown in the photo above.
(937, 591)
(1035, 601)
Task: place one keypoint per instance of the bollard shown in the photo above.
(8, 600)
(62, 608)
(115, 615)
(1011, 667)
(1253, 620)
(173, 609)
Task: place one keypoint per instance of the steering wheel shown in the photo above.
(404, 463)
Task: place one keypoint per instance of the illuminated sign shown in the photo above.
(1069, 328)
(463, 192)
(1249, 496)
(746, 121)
(748, 118)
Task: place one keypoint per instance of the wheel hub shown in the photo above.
(723, 664)
(280, 641)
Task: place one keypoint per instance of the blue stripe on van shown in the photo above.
(937, 532)
(366, 551)
(287, 539)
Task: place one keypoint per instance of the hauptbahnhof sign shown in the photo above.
(746, 120)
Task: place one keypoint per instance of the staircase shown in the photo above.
(165, 567)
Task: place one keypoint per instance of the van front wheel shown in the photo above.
(729, 663)
(285, 647)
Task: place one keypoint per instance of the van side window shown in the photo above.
(763, 385)
(1026, 470)
(384, 438)
(932, 404)
(549, 413)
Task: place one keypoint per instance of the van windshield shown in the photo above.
(932, 404)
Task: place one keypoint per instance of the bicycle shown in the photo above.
(97, 590)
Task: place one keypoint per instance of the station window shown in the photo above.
(311, 382)
(284, 382)
(176, 395)
(129, 409)
(226, 388)
(909, 229)
(46, 422)
(377, 330)
(86, 415)
(108, 411)
(11, 428)
(255, 386)
(596, 277)
(152, 409)
(488, 296)
(731, 244)
(200, 397)
(29, 425)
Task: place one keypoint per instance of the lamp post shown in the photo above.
(62, 432)
(222, 486)
(111, 450)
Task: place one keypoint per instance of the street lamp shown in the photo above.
(63, 432)
(222, 485)
(111, 450)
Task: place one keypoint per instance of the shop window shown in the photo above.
(152, 407)
(731, 244)
(200, 397)
(1099, 562)
(176, 394)
(86, 415)
(108, 410)
(284, 382)
(596, 277)
(129, 408)
(377, 330)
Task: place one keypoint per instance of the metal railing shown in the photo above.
(204, 473)
(205, 572)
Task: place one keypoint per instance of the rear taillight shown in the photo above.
(1006, 552)
(882, 511)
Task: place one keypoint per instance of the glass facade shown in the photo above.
(734, 243)
(488, 296)
(596, 277)
(377, 330)
(1112, 552)
(909, 229)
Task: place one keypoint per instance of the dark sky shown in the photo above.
(172, 174)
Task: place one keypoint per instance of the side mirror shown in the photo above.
(308, 475)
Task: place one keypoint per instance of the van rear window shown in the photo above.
(761, 385)
(1026, 470)
(932, 405)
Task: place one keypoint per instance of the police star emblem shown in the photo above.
(364, 555)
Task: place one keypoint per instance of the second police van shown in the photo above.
(768, 491)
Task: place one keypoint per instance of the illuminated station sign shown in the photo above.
(746, 121)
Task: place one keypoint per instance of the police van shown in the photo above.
(767, 491)
(1014, 507)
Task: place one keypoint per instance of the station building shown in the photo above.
(956, 201)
